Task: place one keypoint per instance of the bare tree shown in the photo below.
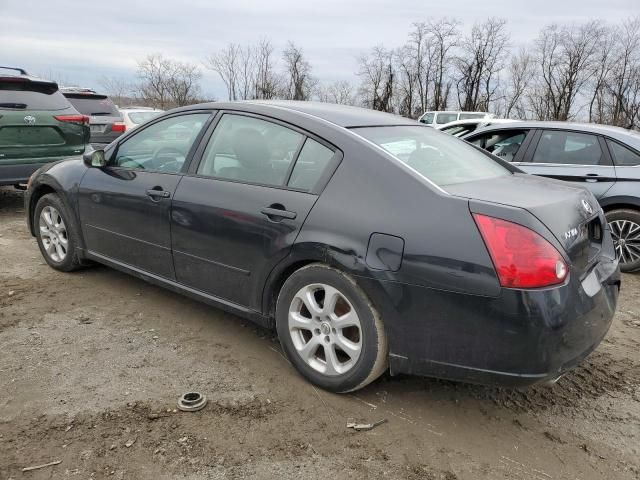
(406, 80)
(420, 48)
(299, 82)
(444, 36)
(227, 64)
(479, 62)
(377, 79)
(566, 55)
(119, 89)
(340, 92)
(520, 73)
(267, 83)
(167, 83)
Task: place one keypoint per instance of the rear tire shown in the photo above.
(625, 230)
(339, 344)
(57, 233)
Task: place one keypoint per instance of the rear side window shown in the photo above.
(28, 95)
(622, 155)
(252, 150)
(571, 148)
(443, 118)
(427, 118)
(94, 105)
(311, 164)
(443, 159)
(503, 144)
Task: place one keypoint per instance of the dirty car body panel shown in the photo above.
(410, 243)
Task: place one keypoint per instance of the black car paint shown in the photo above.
(444, 310)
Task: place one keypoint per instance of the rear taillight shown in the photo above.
(82, 119)
(522, 258)
(118, 127)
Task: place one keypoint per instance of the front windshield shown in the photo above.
(439, 157)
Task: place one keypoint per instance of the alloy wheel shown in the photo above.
(626, 238)
(325, 329)
(53, 233)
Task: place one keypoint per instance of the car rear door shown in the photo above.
(572, 156)
(239, 210)
(125, 207)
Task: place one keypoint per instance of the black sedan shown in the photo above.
(368, 241)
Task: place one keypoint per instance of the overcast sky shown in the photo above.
(80, 41)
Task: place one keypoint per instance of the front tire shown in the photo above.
(330, 330)
(625, 230)
(57, 233)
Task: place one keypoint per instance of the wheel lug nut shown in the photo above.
(317, 331)
(326, 339)
(333, 330)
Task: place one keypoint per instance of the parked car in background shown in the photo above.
(604, 159)
(105, 121)
(38, 125)
(441, 117)
(134, 116)
(439, 261)
(460, 128)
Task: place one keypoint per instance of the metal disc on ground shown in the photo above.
(192, 402)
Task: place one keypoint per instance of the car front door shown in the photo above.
(571, 156)
(125, 207)
(238, 212)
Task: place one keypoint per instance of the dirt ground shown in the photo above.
(92, 363)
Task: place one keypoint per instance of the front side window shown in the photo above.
(571, 148)
(503, 144)
(162, 146)
(249, 149)
(311, 164)
(428, 118)
(443, 118)
(442, 159)
(622, 156)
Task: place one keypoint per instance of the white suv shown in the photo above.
(440, 118)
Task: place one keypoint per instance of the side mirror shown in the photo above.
(95, 159)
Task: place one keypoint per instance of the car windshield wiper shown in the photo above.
(13, 105)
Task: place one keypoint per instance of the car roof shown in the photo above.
(622, 134)
(341, 115)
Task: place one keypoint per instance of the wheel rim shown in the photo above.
(626, 238)
(53, 234)
(325, 329)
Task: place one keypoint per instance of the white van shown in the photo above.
(442, 117)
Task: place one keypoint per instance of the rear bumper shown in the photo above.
(14, 174)
(520, 338)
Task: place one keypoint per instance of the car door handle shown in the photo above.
(591, 177)
(158, 193)
(277, 212)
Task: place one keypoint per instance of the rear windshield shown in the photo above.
(441, 158)
(141, 117)
(28, 95)
(94, 105)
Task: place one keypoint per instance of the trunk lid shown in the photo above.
(570, 212)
